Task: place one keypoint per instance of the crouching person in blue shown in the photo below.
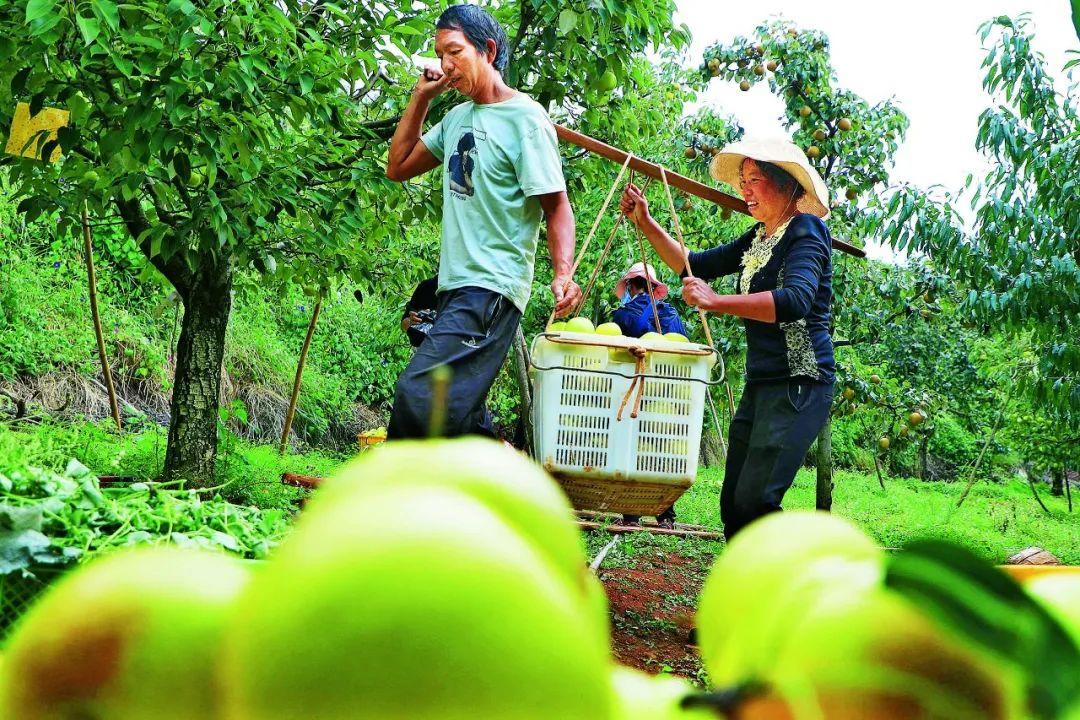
(635, 317)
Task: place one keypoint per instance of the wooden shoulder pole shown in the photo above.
(682, 182)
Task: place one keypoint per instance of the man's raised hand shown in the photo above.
(432, 83)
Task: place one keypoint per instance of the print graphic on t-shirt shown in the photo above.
(461, 164)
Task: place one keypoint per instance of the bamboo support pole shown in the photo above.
(299, 376)
(622, 529)
(91, 277)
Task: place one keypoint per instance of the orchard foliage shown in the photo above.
(218, 132)
(1017, 265)
(850, 142)
(232, 135)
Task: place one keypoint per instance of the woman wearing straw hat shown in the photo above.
(784, 295)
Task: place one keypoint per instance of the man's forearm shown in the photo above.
(408, 130)
(560, 237)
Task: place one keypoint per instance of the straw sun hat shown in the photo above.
(726, 165)
(660, 290)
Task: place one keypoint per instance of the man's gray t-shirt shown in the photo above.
(497, 158)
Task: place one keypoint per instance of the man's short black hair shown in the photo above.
(479, 26)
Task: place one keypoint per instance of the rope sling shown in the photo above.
(638, 382)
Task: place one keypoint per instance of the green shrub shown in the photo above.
(952, 443)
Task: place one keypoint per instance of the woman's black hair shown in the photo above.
(784, 181)
(478, 26)
(638, 283)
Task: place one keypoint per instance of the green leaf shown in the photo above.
(139, 39)
(568, 20)
(7, 48)
(36, 103)
(122, 63)
(18, 80)
(67, 137)
(307, 82)
(156, 239)
(976, 600)
(182, 166)
(89, 27)
(107, 11)
(38, 9)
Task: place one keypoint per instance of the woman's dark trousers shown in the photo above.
(773, 428)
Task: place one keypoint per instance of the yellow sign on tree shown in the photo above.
(30, 134)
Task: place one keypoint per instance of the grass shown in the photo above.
(249, 473)
(997, 519)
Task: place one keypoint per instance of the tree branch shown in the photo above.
(527, 16)
(174, 270)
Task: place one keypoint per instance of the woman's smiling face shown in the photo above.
(766, 202)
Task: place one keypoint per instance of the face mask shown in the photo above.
(626, 297)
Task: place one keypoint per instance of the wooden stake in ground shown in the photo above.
(299, 376)
(440, 395)
(88, 248)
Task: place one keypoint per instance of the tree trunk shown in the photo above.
(824, 465)
(1057, 482)
(713, 451)
(193, 422)
(711, 454)
(520, 356)
(920, 471)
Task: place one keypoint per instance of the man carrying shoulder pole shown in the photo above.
(502, 174)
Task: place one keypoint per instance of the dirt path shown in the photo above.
(652, 609)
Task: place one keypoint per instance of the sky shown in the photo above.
(925, 54)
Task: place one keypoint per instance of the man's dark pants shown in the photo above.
(472, 333)
(773, 428)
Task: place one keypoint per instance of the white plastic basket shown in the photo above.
(636, 465)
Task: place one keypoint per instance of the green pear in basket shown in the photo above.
(135, 635)
(609, 328)
(507, 482)
(418, 602)
(652, 336)
(580, 325)
(676, 337)
(557, 326)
